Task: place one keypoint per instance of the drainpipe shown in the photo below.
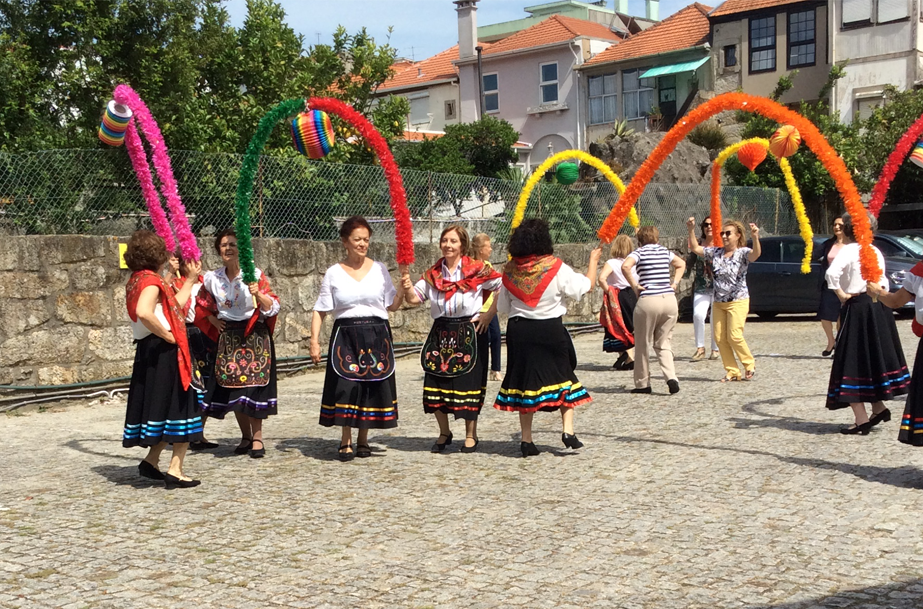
(578, 56)
(478, 49)
(831, 43)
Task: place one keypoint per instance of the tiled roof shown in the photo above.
(686, 28)
(437, 67)
(419, 136)
(731, 7)
(554, 29)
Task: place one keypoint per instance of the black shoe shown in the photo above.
(203, 445)
(471, 449)
(862, 430)
(437, 447)
(673, 384)
(172, 482)
(571, 441)
(243, 449)
(881, 417)
(149, 471)
(344, 456)
(258, 453)
(826, 352)
(363, 451)
(528, 449)
(620, 361)
(641, 390)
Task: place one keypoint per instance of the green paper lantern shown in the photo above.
(567, 173)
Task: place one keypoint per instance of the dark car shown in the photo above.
(900, 243)
(777, 285)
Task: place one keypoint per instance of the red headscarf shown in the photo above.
(140, 280)
(527, 277)
(474, 273)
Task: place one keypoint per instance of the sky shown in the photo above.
(422, 28)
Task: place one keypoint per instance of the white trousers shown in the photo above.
(700, 305)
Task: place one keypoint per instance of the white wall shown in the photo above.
(434, 98)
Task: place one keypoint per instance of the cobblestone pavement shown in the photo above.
(725, 495)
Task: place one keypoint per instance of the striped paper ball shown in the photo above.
(916, 157)
(313, 134)
(784, 142)
(567, 173)
(751, 155)
(114, 124)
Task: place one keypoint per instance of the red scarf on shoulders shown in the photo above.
(527, 277)
(474, 273)
(916, 326)
(140, 280)
(205, 305)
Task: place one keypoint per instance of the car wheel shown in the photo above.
(767, 314)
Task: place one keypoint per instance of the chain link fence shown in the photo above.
(95, 192)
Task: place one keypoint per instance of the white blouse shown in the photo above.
(617, 278)
(342, 296)
(568, 283)
(235, 303)
(844, 273)
(190, 315)
(914, 285)
(462, 304)
(139, 330)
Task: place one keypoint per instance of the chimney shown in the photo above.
(621, 6)
(652, 9)
(467, 27)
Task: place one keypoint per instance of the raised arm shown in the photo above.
(693, 243)
(593, 266)
(401, 289)
(410, 295)
(756, 250)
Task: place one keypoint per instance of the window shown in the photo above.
(603, 99)
(801, 46)
(491, 92)
(763, 44)
(549, 83)
(792, 251)
(859, 13)
(730, 56)
(892, 10)
(419, 110)
(637, 93)
(450, 109)
(866, 105)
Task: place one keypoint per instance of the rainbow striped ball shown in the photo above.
(916, 157)
(114, 124)
(313, 134)
(784, 142)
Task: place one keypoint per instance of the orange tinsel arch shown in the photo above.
(779, 113)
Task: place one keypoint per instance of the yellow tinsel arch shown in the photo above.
(553, 160)
(804, 225)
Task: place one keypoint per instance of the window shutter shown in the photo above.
(891, 10)
(857, 10)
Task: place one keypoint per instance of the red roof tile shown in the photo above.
(687, 28)
(731, 7)
(554, 29)
(437, 67)
(419, 136)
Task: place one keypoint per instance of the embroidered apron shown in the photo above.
(243, 361)
(451, 349)
(361, 349)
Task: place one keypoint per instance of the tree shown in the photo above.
(482, 148)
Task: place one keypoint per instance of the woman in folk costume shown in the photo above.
(240, 318)
(161, 406)
(868, 363)
(454, 357)
(359, 388)
(540, 356)
(911, 431)
(617, 313)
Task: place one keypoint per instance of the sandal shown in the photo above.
(730, 379)
(345, 456)
(749, 374)
(363, 451)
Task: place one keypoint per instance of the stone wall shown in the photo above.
(62, 302)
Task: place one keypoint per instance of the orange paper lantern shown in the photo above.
(785, 141)
(751, 155)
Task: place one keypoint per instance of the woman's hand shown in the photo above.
(193, 269)
(170, 338)
(874, 290)
(596, 254)
(218, 323)
(637, 289)
(406, 283)
(690, 224)
(315, 351)
(754, 231)
(254, 288)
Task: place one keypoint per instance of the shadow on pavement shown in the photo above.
(79, 446)
(816, 428)
(902, 595)
(125, 475)
(418, 444)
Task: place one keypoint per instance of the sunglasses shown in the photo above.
(706, 224)
(837, 225)
(726, 233)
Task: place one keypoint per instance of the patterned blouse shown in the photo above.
(730, 280)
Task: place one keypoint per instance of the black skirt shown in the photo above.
(361, 394)
(912, 422)
(868, 365)
(202, 351)
(258, 402)
(829, 308)
(463, 395)
(159, 409)
(540, 364)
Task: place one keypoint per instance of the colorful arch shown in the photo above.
(291, 107)
(770, 109)
(895, 159)
(127, 96)
(804, 225)
(553, 160)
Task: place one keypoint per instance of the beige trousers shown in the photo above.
(654, 318)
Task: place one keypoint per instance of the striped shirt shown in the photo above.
(653, 266)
